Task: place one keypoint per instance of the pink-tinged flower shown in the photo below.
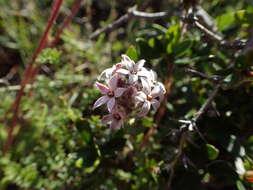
(116, 119)
(152, 80)
(133, 70)
(107, 73)
(148, 97)
(110, 93)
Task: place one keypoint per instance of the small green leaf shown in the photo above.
(212, 152)
(132, 53)
(79, 163)
(239, 185)
(182, 47)
(225, 20)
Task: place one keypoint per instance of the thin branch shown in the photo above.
(172, 165)
(194, 21)
(248, 47)
(145, 15)
(184, 135)
(208, 102)
(131, 13)
(213, 78)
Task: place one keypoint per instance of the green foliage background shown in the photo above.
(61, 142)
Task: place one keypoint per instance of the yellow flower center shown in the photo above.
(110, 94)
(149, 97)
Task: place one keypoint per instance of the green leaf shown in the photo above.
(212, 152)
(132, 53)
(182, 47)
(49, 55)
(146, 51)
(225, 20)
(160, 29)
(79, 163)
(172, 37)
(239, 185)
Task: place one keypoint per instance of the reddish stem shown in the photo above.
(28, 74)
(74, 8)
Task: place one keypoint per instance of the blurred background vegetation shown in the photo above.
(60, 142)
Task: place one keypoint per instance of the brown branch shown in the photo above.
(131, 13)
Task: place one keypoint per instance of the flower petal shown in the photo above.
(107, 118)
(116, 124)
(139, 65)
(102, 100)
(127, 62)
(145, 85)
(113, 82)
(119, 91)
(140, 96)
(133, 78)
(103, 89)
(162, 87)
(123, 71)
(157, 91)
(155, 104)
(106, 74)
(144, 73)
(153, 75)
(145, 108)
(110, 104)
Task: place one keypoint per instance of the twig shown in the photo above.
(213, 78)
(172, 165)
(248, 47)
(183, 138)
(131, 13)
(205, 106)
(237, 44)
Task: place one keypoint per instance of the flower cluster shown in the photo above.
(130, 88)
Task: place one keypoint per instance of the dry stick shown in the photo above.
(126, 17)
(15, 107)
(184, 134)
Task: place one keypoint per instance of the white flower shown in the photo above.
(239, 166)
(110, 93)
(133, 70)
(148, 97)
(107, 73)
(152, 80)
(116, 119)
(129, 86)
